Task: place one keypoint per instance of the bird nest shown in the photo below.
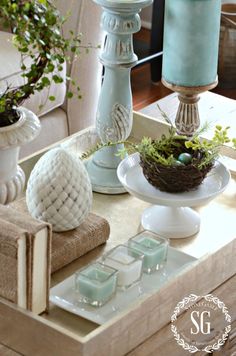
(176, 178)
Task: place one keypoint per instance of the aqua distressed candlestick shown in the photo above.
(190, 55)
(120, 20)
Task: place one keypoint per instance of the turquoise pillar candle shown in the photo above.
(154, 249)
(96, 284)
(191, 40)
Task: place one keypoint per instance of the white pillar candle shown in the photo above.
(129, 268)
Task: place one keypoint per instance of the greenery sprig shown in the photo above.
(210, 148)
(130, 148)
(162, 151)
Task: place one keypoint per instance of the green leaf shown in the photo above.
(50, 67)
(52, 98)
(23, 49)
(27, 6)
(46, 81)
(57, 79)
(69, 95)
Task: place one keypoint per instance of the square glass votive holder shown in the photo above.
(128, 263)
(96, 283)
(153, 247)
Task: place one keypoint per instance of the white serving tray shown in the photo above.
(65, 296)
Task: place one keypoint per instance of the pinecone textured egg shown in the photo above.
(59, 190)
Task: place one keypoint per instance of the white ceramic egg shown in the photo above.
(59, 190)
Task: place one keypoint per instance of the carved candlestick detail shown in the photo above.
(114, 113)
(187, 119)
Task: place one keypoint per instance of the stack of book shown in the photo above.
(30, 252)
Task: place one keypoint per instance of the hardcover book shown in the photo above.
(25, 252)
(70, 245)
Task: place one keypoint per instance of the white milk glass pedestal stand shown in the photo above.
(171, 215)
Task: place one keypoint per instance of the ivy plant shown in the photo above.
(37, 34)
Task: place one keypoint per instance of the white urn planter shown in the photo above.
(12, 137)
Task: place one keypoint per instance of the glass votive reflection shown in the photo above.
(153, 247)
(96, 283)
(127, 262)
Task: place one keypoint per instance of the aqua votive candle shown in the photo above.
(96, 283)
(153, 247)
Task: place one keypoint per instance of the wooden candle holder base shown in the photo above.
(187, 119)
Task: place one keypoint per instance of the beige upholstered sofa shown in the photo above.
(62, 118)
